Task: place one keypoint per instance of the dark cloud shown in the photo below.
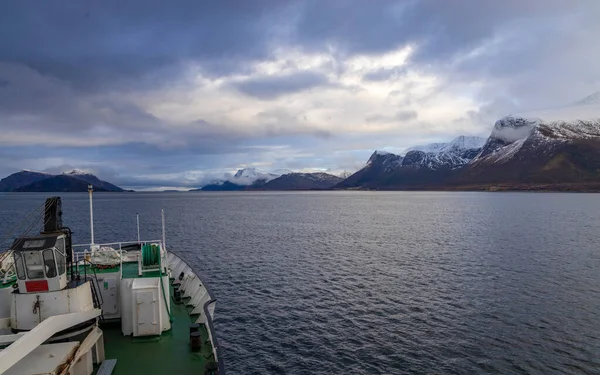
(270, 87)
(75, 76)
(99, 44)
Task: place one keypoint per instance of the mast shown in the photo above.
(137, 216)
(90, 190)
(164, 240)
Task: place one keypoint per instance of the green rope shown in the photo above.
(150, 255)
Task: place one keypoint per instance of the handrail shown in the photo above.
(209, 321)
(42, 332)
(211, 330)
(96, 288)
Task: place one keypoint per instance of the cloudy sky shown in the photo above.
(162, 94)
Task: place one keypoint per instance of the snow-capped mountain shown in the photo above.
(76, 172)
(90, 178)
(454, 154)
(380, 163)
(459, 143)
(302, 181)
(419, 164)
(22, 178)
(555, 147)
(31, 181)
(549, 149)
(544, 131)
(386, 160)
(244, 178)
(249, 176)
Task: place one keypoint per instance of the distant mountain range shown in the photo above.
(254, 179)
(73, 181)
(548, 150)
(557, 149)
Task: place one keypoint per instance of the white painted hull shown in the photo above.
(196, 295)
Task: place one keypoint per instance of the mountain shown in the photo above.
(379, 165)
(243, 178)
(302, 181)
(266, 181)
(44, 182)
(249, 176)
(556, 149)
(524, 150)
(221, 186)
(454, 154)
(422, 165)
(22, 178)
(60, 183)
(93, 180)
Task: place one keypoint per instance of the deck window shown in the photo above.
(49, 263)
(61, 263)
(61, 253)
(19, 265)
(33, 263)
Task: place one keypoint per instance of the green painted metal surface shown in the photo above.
(166, 354)
(130, 270)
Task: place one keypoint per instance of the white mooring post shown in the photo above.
(90, 190)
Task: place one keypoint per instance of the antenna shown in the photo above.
(90, 190)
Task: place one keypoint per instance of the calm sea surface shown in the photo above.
(378, 282)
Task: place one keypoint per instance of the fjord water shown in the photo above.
(378, 282)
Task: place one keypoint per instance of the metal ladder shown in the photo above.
(94, 286)
(106, 367)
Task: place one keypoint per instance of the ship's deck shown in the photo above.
(130, 270)
(166, 354)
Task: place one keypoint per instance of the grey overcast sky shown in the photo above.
(178, 93)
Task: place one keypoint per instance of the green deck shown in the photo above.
(166, 354)
(130, 270)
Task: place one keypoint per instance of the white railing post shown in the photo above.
(138, 225)
(90, 190)
(164, 239)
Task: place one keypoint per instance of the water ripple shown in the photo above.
(382, 283)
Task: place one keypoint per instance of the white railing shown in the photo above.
(206, 303)
(86, 255)
(112, 244)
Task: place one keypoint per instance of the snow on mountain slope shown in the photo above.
(77, 172)
(32, 171)
(248, 176)
(542, 130)
(593, 99)
(456, 153)
(386, 160)
(459, 143)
